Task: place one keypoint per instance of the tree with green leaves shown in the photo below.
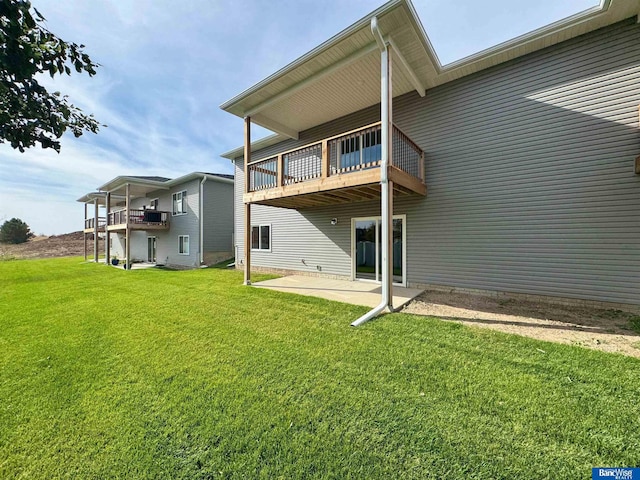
(29, 114)
(15, 231)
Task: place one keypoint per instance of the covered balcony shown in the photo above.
(340, 169)
(90, 224)
(138, 220)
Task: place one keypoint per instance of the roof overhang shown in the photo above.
(197, 176)
(99, 197)
(342, 75)
(138, 187)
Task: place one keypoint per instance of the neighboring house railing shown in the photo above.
(139, 217)
(90, 223)
(342, 154)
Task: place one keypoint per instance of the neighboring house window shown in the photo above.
(180, 203)
(261, 237)
(183, 244)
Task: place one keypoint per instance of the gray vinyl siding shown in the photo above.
(186, 224)
(218, 216)
(218, 224)
(529, 169)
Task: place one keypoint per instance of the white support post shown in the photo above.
(386, 187)
(95, 230)
(247, 206)
(387, 191)
(107, 243)
(84, 234)
(128, 228)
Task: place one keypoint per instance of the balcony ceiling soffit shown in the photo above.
(307, 95)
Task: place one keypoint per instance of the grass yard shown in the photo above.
(160, 374)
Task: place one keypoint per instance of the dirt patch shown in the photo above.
(67, 245)
(600, 329)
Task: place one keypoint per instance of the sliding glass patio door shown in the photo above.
(367, 249)
(151, 249)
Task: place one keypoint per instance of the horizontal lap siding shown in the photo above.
(298, 236)
(529, 168)
(187, 224)
(530, 173)
(218, 216)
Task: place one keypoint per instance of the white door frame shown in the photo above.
(378, 218)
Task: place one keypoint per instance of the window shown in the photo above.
(154, 204)
(364, 150)
(183, 244)
(261, 237)
(180, 203)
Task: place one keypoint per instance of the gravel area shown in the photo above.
(600, 329)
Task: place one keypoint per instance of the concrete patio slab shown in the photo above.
(135, 266)
(356, 293)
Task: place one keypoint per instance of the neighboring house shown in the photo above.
(512, 170)
(186, 221)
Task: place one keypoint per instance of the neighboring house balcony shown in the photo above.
(90, 224)
(138, 220)
(340, 169)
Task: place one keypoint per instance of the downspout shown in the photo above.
(385, 301)
(204, 179)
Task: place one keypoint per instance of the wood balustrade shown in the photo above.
(330, 165)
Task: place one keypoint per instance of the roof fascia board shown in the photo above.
(90, 197)
(215, 178)
(517, 42)
(196, 175)
(348, 60)
(363, 22)
(120, 182)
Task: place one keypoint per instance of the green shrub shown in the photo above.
(15, 231)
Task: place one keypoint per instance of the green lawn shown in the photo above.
(160, 374)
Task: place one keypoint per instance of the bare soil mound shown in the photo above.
(65, 245)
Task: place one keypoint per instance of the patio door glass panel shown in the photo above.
(151, 249)
(398, 247)
(368, 249)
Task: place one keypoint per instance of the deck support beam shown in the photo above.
(127, 264)
(107, 244)
(247, 206)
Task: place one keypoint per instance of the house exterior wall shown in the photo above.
(186, 224)
(138, 246)
(218, 221)
(529, 170)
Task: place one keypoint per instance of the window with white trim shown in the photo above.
(183, 244)
(154, 204)
(180, 203)
(261, 237)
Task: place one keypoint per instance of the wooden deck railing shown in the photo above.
(348, 152)
(138, 217)
(90, 223)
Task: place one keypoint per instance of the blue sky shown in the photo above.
(167, 66)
